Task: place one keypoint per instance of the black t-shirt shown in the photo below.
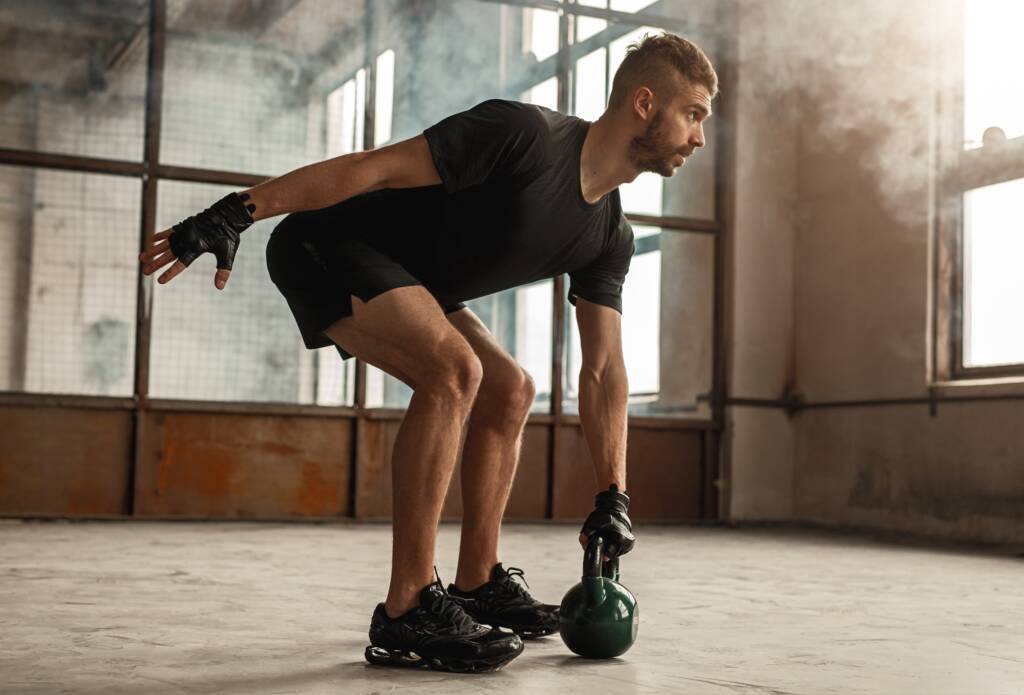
(509, 210)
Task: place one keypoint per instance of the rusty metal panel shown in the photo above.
(662, 475)
(373, 468)
(529, 491)
(243, 466)
(377, 439)
(64, 461)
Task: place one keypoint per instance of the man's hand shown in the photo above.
(610, 520)
(216, 230)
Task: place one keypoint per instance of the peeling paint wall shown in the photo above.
(862, 93)
(759, 272)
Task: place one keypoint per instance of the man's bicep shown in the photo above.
(600, 336)
(405, 164)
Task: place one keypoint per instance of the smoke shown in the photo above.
(859, 82)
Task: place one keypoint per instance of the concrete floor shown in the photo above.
(152, 607)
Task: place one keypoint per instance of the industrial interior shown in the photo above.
(820, 326)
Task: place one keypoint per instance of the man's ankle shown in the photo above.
(471, 580)
(399, 606)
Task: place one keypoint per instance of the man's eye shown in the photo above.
(693, 115)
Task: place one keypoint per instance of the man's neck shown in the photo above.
(604, 160)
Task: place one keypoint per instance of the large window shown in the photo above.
(981, 211)
(253, 90)
(67, 282)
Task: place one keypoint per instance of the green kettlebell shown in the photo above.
(599, 616)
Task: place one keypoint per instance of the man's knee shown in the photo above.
(507, 394)
(452, 369)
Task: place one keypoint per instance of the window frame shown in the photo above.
(150, 170)
(958, 172)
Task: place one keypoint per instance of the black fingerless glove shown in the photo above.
(610, 521)
(216, 229)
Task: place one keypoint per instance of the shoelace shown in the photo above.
(513, 573)
(446, 608)
(450, 612)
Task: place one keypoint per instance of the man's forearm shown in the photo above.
(315, 186)
(604, 401)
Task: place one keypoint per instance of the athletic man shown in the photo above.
(378, 253)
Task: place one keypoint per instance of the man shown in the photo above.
(378, 253)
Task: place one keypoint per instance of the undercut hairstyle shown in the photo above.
(656, 62)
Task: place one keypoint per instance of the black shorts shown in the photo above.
(317, 265)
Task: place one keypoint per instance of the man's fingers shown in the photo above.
(163, 235)
(221, 278)
(155, 251)
(172, 273)
(157, 264)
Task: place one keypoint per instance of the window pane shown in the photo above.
(531, 345)
(993, 297)
(993, 81)
(519, 319)
(73, 77)
(68, 274)
(539, 33)
(703, 11)
(590, 86)
(667, 308)
(588, 26)
(239, 344)
(502, 52)
(545, 94)
(385, 391)
(631, 5)
(247, 90)
(344, 120)
(384, 99)
(359, 137)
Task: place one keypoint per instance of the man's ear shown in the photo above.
(643, 103)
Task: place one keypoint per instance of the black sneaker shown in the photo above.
(505, 602)
(439, 635)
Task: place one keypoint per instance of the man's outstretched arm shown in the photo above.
(404, 164)
(217, 230)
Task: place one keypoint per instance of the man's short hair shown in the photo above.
(655, 62)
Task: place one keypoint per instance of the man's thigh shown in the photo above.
(403, 332)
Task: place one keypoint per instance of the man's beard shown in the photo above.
(652, 151)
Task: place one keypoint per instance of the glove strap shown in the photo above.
(233, 212)
(229, 214)
(611, 500)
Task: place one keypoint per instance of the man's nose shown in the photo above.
(698, 137)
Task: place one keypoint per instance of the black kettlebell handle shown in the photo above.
(593, 566)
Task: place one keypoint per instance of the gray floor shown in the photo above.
(283, 608)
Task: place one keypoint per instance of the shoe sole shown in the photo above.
(379, 656)
(534, 634)
(523, 631)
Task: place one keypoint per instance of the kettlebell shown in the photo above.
(599, 616)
